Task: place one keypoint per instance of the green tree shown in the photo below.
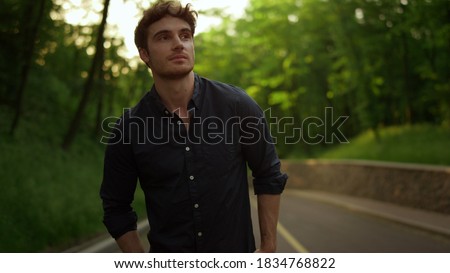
(97, 65)
(380, 62)
(28, 29)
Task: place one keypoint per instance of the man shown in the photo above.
(188, 142)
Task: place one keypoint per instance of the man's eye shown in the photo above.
(185, 36)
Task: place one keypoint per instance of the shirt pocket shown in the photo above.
(159, 166)
(219, 158)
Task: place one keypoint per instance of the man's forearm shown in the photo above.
(268, 210)
(130, 242)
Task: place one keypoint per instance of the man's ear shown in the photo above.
(143, 53)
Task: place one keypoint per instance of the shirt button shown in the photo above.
(196, 206)
(188, 149)
(191, 177)
(199, 234)
(166, 112)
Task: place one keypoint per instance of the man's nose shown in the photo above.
(177, 44)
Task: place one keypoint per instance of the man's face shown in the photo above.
(170, 48)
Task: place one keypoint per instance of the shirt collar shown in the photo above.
(194, 103)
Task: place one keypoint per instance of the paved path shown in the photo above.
(312, 221)
(323, 222)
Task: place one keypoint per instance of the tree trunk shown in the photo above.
(30, 30)
(87, 90)
(101, 91)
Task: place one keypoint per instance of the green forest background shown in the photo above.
(383, 64)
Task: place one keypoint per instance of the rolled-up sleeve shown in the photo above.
(259, 150)
(119, 183)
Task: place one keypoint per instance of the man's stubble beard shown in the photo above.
(176, 75)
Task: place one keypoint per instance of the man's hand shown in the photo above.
(130, 243)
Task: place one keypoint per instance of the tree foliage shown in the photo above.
(379, 62)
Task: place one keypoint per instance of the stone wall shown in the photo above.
(419, 186)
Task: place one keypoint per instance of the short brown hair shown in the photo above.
(158, 11)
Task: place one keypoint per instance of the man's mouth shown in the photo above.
(178, 57)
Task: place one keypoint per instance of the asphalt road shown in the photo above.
(307, 225)
(324, 228)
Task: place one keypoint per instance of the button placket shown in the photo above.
(193, 184)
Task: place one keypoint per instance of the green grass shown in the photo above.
(50, 198)
(49, 195)
(422, 144)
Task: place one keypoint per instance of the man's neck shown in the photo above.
(176, 94)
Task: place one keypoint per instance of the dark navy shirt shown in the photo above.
(195, 181)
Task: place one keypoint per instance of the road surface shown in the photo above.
(325, 228)
(307, 224)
